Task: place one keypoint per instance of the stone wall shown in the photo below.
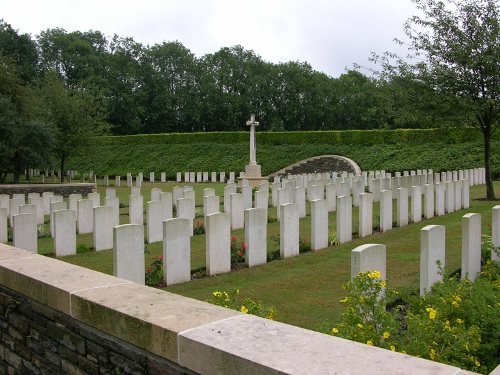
(57, 318)
(58, 189)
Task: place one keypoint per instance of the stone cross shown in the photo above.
(252, 123)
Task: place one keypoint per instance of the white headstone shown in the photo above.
(331, 197)
(428, 201)
(103, 227)
(167, 197)
(176, 251)
(55, 207)
(471, 246)
(115, 204)
(185, 210)
(155, 194)
(95, 198)
(450, 197)
(289, 230)
(237, 211)
(64, 232)
(256, 236)
(440, 198)
(262, 199)
(319, 224)
(365, 214)
(177, 193)
(369, 257)
(136, 209)
(14, 205)
(402, 202)
(246, 191)
(432, 250)
(156, 213)
(5, 202)
(385, 210)
(135, 190)
(110, 193)
(117, 181)
(85, 216)
(208, 192)
(24, 235)
(21, 197)
(344, 219)
(128, 252)
(416, 203)
(218, 243)
(3, 225)
(211, 204)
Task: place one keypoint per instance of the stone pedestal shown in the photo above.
(253, 175)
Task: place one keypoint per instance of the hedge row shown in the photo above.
(348, 137)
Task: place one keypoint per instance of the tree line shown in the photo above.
(61, 88)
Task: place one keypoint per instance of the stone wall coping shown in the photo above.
(199, 336)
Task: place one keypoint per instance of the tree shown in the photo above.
(74, 113)
(457, 48)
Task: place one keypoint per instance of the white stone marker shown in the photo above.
(247, 194)
(428, 201)
(151, 177)
(185, 211)
(28, 209)
(136, 209)
(344, 219)
(289, 230)
(432, 250)
(135, 190)
(228, 190)
(64, 232)
(155, 194)
(198, 177)
(176, 251)
(85, 216)
(3, 225)
(237, 211)
(402, 202)
(14, 205)
(156, 213)
(21, 197)
(103, 227)
(211, 204)
(177, 193)
(365, 214)
(163, 176)
(465, 194)
(458, 195)
(416, 203)
(262, 199)
(218, 243)
(117, 181)
(471, 246)
(256, 236)
(128, 252)
(106, 181)
(110, 193)
(167, 197)
(5, 202)
(190, 194)
(73, 202)
(115, 204)
(357, 188)
(192, 176)
(495, 231)
(208, 192)
(25, 233)
(95, 198)
(369, 257)
(274, 193)
(284, 197)
(385, 210)
(213, 177)
(450, 197)
(299, 198)
(319, 224)
(440, 198)
(55, 207)
(331, 197)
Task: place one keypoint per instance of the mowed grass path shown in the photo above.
(306, 289)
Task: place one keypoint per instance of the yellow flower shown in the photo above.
(217, 294)
(393, 348)
(432, 354)
(237, 291)
(335, 330)
(403, 351)
(383, 284)
(244, 309)
(432, 313)
(459, 321)
(343, 300)
(374, 275)
(369, 342)
(361, 299)
(467, 346)
(455, 304)
(360, 325)
(478, 364)
(386, 335)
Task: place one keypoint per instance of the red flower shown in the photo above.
(305, 242)
(240, 254)
(161, 257)
(233, 238)
(243, 246)
(489, 225)
(149, 270)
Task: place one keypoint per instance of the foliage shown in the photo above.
(237, 252)
(199, 228)
(457, 323)
(83, 249)
(154, 273)
(248, 305)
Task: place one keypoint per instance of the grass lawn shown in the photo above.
(305, 290)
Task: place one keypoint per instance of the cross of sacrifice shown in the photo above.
(252, 123)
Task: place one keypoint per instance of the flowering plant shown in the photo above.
(199, 228)
(237, 252)
(154, 274)
(248, 306)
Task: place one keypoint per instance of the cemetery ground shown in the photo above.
(306, 290)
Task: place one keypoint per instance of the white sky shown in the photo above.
(328, 34)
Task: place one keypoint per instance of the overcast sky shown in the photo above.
(328, 34)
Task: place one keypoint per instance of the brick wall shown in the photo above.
(58, 189)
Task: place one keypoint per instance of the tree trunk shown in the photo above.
(490, 192)
(63, 172)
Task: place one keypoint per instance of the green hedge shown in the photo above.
(348, 137)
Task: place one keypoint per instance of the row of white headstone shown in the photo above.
(372, 257)
(187, 177)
